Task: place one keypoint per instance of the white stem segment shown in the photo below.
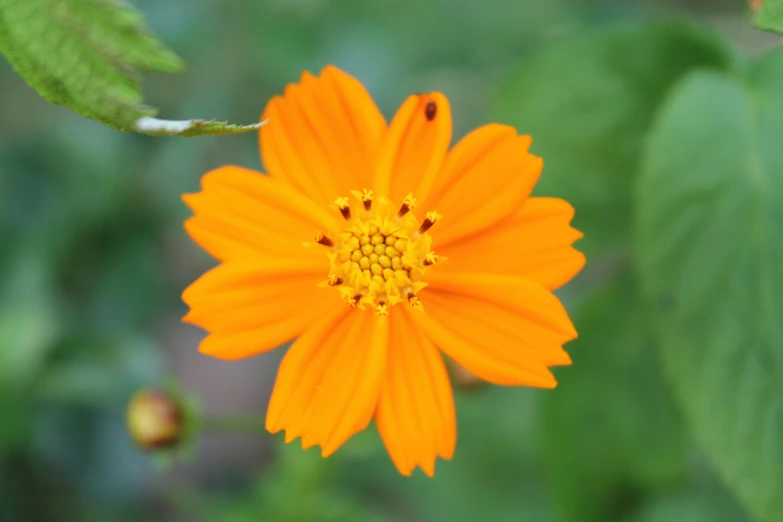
(156, 127)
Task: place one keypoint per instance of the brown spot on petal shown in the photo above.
(430, 110)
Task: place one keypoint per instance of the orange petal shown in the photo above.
(505, 329)
(415, 415)
(323, 135)
(250, 308)
(486, 177)
(414, 147)
(328, 384)
(241, 213)
(535, 243)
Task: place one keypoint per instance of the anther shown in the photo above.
(367, 199)
(408, 203)
(345, 209)
(320, 238)
(414, 301)
(430, 219)
(377, 259)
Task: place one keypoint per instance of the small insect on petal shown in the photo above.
(430, 110)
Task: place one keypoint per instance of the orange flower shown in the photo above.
(484, 299)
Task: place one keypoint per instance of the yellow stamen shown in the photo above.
(380, 257)
(323, 240)
(345, 209)
(430, 219)
(408, 203)
(365, 196)
(415, 302)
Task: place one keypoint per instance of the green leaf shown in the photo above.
(88, 55)
(690, 506)
(588, 101)
(610, 429)
(81, 382)
(29, 319)
(16, 413)
(769, 15)
(710, 251)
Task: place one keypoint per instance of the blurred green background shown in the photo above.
(93, 259)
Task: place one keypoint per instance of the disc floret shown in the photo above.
(380, 254)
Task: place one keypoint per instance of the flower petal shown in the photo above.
(505, 329)
(241, 213)
(323, 135)
(415, 415)
(485, 178)
(251, 308)
(534, 242)
(414, 146)
(328, 384)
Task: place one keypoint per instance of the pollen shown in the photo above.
(380, 254)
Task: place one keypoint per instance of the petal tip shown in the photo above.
(428, 468)
(205, 348)
(271, 424)
(525, 140)
(189, 199)
(331, 69)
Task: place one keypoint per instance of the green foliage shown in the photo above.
(610, 403)
(300, 487)
(84, 54)
(587, 101)
(710, 224)
(29, 321)
(88, 55)
(687, 506)
(769, 15)
(497, 471)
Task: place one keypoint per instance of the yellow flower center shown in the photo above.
(380, 255)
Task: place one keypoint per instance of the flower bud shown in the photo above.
(154, 420)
